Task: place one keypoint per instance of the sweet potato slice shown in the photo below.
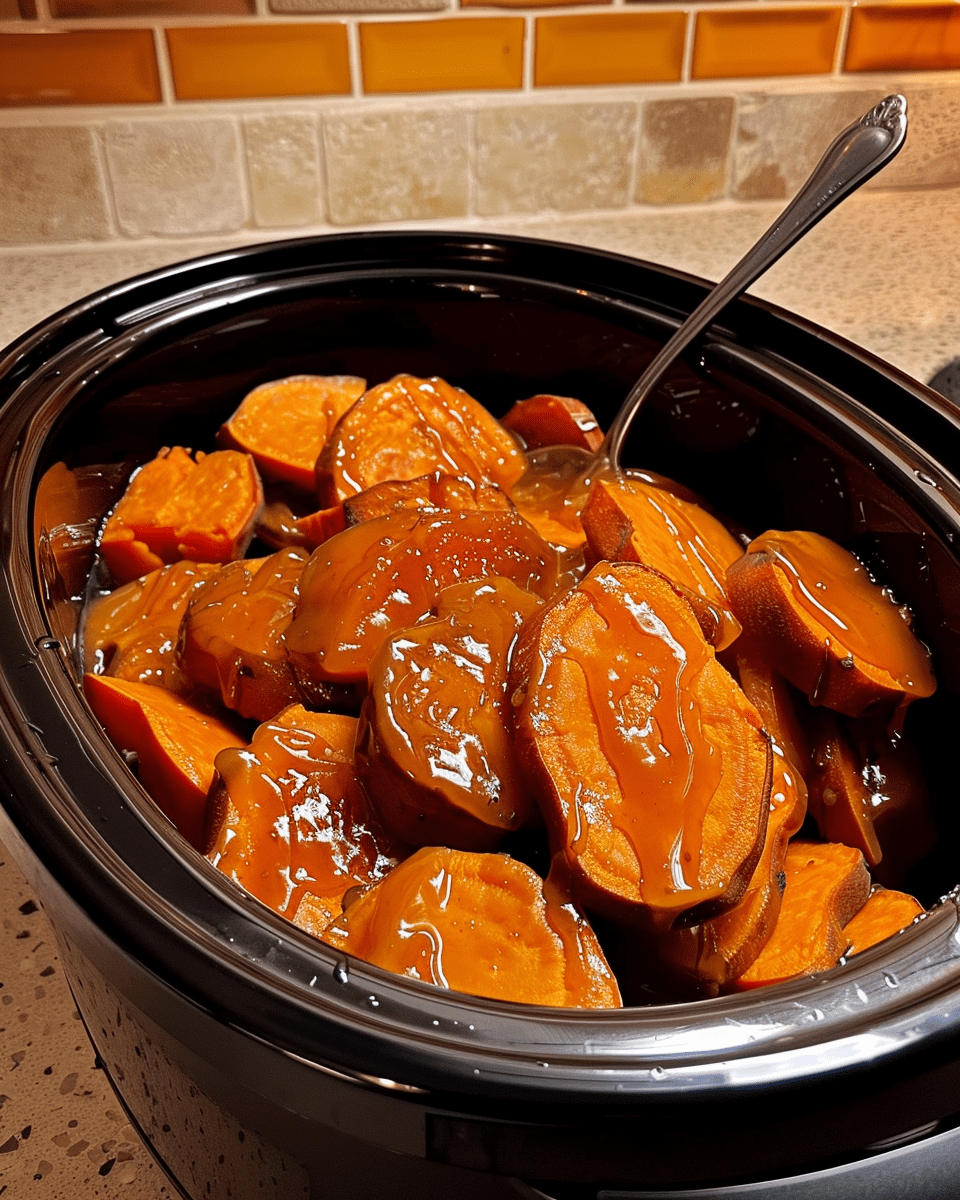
(884, 914)
(826, 885)
(773, 699)
(478, 923)
(409, 427)
(703, 959)
(651, 766)
(629, 520)
(132, 632)
(833, 633)
(548, 420)
(387, 573)
(435, 746)
(175, 743)
(867, 790)
(289, 816)
(175, 507)
(231, 638)
(284, 424)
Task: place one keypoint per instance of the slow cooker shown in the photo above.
(255, 1060)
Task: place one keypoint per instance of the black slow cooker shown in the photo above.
(254, 1059)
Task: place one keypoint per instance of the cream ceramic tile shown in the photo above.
(561, 157)
(396, 166)
(684, 150)
(175, 178)
(283, 162)
(780, 138)
(931, 154)
(51, 185)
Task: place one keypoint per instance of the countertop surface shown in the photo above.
(879, 271)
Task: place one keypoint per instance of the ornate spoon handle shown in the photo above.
(857, 154)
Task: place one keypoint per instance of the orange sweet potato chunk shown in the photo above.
(435, 745)
(484, 924)
(703, 959)
(410, 427)
(231, 638)
(436, 490)
(132, 632)
(629, 520)
(175, 507)
(826, 885)
(284, 424)
(387, 573)
(289, 817)
(651, 767)
(176, 745)
(548, 420)
(835, 634)
(867, 790)
(883, 915)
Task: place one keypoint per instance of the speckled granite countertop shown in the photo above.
(880, 271)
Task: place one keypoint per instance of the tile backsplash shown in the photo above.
(141, 119)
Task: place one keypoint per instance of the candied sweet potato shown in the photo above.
(835, 634)
(867, 790)
(629, 520)
(284, 424)
(436, 490)
(826, 886)
(435, 746)
(478, 923)
(884, 914)
(651, 766)
(175, 506)
(703, 959)
(132, 632)
(289, 817)
(548, 420)
(387, 573)
(175, 744)
(410, 427)
(773, 699)
(231, 637)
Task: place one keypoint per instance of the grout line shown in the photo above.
(686, 69)
(355, 58)
(168, 92)
(841, 51)
(529, 52)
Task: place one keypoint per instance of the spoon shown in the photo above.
(855, 155)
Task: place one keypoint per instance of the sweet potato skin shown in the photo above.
(832, 632)
(549, 420)
(650, 766)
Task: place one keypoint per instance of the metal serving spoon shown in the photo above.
(856, 154)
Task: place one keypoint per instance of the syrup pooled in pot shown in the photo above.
(457, 752)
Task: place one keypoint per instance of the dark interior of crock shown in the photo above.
(765, 446)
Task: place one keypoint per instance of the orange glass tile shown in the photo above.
(751, 42)
(103, 66)
(910, 37)
(441, 56)
(609, 48)
(78, 9)
(225, 62)
(528, 3)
